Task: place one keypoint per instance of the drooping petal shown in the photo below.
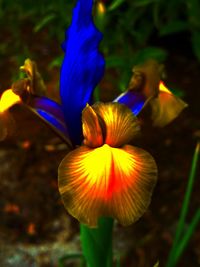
(166, 107)
(92, 131)
(121, 125)
(143, 85)
(82, 68)
(133, 100)
(107, 181)
(51, 113)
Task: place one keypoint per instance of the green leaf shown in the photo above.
(115, 61)
(188, 193)
(184, 210)
(193, 10)
(96, 94)
(56, 62)
(150, 53)
(177, 92)
(186, 237)
(118, 261)
(115, 4)
(41, 24)
(196, 43)
(174, 27)
(156, 264)
(143, 3)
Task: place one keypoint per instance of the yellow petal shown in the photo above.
(166, 107)
(136, 171)
(36, 85)
(101, 8)
(121, 125)
(107, 181)
(91, 128)
(8, 99)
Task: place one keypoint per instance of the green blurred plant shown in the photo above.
(42, 14)
(129, 27)
(183, 236)
(26, 23)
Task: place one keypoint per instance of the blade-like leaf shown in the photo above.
(115, 61)
(156, 264)
(118, 261)
(41, 24)
(186, 237)
(143, 3)
(150, 53)
(173, 27)
(185, 206)
(115, 4)
(196, 43)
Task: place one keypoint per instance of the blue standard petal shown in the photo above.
(82, 67)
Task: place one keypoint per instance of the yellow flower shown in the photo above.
(7, 100)
(106, 176)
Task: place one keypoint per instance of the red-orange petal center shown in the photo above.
(107, 181)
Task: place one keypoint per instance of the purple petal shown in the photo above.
(133, 100)
(51, 113)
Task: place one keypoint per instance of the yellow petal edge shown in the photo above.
(166, 107)
(92, 132)
(121, 126)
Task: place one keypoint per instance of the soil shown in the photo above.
(35, 229)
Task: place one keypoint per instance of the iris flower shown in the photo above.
(27, 92)
(103, 175)
(106, 176)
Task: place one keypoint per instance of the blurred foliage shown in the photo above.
(130, 27)
(26, 24)
(53, 15)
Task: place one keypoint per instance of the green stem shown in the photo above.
(97, 243)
